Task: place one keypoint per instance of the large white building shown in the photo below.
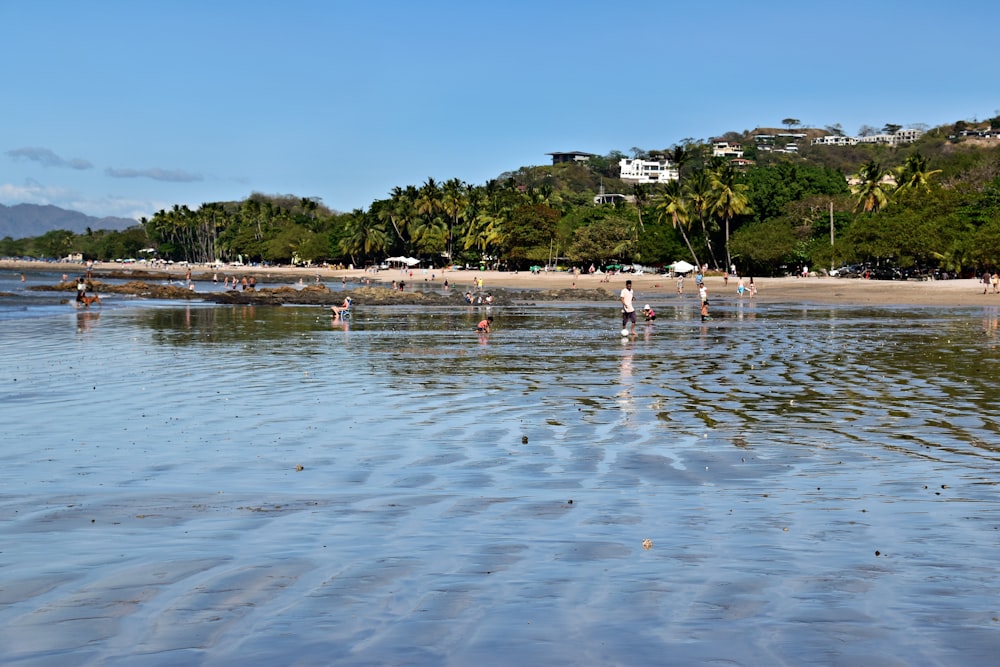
(648, 171)
(834, 140)
(903, 136)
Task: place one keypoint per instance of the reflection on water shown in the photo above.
(906, 375)
(820, 485)
(86, 319)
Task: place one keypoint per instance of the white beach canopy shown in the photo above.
(681, 267)
(409, 261)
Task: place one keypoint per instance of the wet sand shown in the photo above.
(192, 484)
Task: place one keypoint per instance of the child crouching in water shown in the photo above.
(484, 325)
(648, 313)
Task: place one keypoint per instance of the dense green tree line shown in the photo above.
(931, 204)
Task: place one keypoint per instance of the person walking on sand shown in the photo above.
(995, 282)
(627, 297)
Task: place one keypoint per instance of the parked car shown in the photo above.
(848, 271)
(885, 273)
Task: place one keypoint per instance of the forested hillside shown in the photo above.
(933, 204)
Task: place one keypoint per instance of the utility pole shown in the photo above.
(831, 235)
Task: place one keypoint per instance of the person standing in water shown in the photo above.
(81, 288)
(627, 297)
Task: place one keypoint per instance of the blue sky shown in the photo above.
(123, 108)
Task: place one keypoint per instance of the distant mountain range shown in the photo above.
(30, 220)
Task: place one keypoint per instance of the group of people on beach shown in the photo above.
(627, 299)
(991, 280)
(249, 284)
(743, 288)
(480, 299)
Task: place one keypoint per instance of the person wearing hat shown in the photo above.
(648, 313)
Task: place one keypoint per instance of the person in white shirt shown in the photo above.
(628, 308)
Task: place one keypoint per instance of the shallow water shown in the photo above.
(819, 485)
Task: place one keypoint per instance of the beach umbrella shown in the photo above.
(396, 260)
(681, 267)
(410, 261)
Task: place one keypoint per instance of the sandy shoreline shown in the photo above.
(959, 293)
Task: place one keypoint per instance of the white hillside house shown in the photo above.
(834, 140)
(648, 171)
(728, 149)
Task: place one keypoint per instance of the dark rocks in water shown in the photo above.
(135, 288)
(320, 295)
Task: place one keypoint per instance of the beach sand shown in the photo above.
(648, 287)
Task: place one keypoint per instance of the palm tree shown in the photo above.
(729, 198)
(913, 174)
(698, 193)
(429, 230)
(672, 203)
(430, 235)
(365, 234)
(872, 193)
(453, 203)
(641, 193)
(486, 233)
(400, 212)
(680, 156)
(428, 201)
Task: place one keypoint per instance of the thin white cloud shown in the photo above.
(170, 175)
(33, 192)
(47, 158)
